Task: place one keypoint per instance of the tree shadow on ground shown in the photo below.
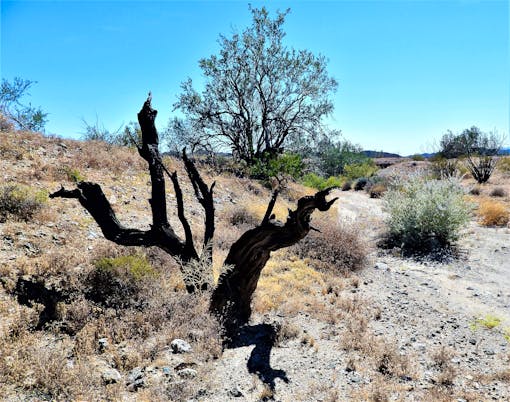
(263, 336)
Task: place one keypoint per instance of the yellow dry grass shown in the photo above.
(285, 278)
(493, 213)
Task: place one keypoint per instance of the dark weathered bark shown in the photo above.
(161, 234)
(247, 257)
(231, 299)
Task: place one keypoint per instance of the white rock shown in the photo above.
(180, 346)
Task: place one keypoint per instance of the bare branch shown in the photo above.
(92, 198)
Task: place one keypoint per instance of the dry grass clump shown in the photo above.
(338, 246)
(498, 192)
(241, 216)
(441, 358)
(20, 202)
(63, 360)
(377, 190)
(475, 191)
(504, 164)
(493, 213)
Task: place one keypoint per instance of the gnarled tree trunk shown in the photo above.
(231, 299)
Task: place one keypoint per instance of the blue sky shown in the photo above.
(407, 70)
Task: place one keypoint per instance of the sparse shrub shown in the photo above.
(240, 215)
(74, 175)
(418, 158)
(503, 164)
(117, 281)
(20, 202)
(443, 168)
(360, 183)
(337, 246)
(359, 170)
(377, 191)
(493, 213)
(425, 214)
(347, 185)
(475, 191)
(498, 192)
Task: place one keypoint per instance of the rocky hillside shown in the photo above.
(335, 317)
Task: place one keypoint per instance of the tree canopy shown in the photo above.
(259, 94)
(477, 147)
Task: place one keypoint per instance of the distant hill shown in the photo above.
(504, 151)
(379, 154)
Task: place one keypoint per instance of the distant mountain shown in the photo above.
(380, 154)
(428, 154)
(504, 151)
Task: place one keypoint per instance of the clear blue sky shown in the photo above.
(407, 70)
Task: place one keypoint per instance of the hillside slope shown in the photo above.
(323, 329)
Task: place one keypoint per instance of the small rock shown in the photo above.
(180, 346)
(420, 346)
(102, 344)
(135, 386)
(236, 392)
(166, 370)
(382, 265)
(489, 352)
(187, 373)
(472, 341)
(134, 375)
(110, 376)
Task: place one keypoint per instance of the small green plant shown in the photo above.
(425, 214)
(489, 321)
(320, 183)
(136, 266)
(74, 175)
(20, 202)
(506, 334)
(119, 281)
(358, 170)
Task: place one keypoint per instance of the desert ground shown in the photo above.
(373, 326)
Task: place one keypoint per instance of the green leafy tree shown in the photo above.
(259, 94)
(334, 156)
(21, 116)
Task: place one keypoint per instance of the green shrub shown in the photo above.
(357, 170)
(425, 214)
(20, 202)
(320, 183)
(118, 281)
(74, 175)
(287, 164)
